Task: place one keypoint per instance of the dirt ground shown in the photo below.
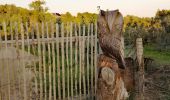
(157, 83)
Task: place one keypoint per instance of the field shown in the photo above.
(160, 57)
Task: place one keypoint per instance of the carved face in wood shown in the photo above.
(112, 21)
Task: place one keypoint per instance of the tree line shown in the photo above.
(154, 30)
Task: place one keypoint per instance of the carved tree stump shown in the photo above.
(110, 85)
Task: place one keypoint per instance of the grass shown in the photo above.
(160, 57)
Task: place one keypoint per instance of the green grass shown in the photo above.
(162, 58)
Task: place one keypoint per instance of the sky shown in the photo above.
(141, 8)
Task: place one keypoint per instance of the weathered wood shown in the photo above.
(13, 72)
(76, 62)
(87, 58)
(54, 64)
(110, 85)
(92, 63)
(58, 62)
(44, 63)
(49, 63)
(33, 47)
(63, 64)
(71, 58)
(27, 39)
(49, 40)
(40, 62)
(81, 71)
(67, 64)
(80, 57)
(83, 62)
(9, 86)
(18, 59)
(95, 57)
(139, 78)
(23, 64)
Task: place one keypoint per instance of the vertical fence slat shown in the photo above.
(71, 59)
(23, 63)
(54, 64)
(49, 63)
(95, 57)
(63, 65)
(58, 62)
(18, 59)
(7, 65)
(83, 61)
(33, 47)
(28, 43)
(76, 62)
(80, 69)
(87, 58)
(1, 95)
(11, 33)
(44, 63)
(40, 62)
(13, 72)
(68, 67)
(1, 82)
(92, 88)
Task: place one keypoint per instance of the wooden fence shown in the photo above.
(48, 61)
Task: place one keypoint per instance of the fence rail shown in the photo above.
(48, 61)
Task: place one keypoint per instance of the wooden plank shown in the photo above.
(63, 64)
(49, 64)
(54, 64)
(11, 32)
(23, 64)
(7, 65)
(76, 62)
(139, 74)
(1, 95)
(18, 60)
(40, 61)
(80, 68)
(2, 72)
(13, 72)
(33, 47)
(44, 64)
(58, 62)
(92, 64)
(35, 41)
(95, 57)
(68, 66)
(87, 59)
(71, 59)
(27, 39)
(83, 62)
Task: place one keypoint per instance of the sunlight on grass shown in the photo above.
(160, 57)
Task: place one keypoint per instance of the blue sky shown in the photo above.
(142, 8)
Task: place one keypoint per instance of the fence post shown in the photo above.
(139, 78)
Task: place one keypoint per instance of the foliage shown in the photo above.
(38, 6)
(10, 14)
(155, 30)
(81, 18)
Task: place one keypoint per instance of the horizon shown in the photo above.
(145, 8)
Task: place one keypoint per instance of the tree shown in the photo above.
(38, 6)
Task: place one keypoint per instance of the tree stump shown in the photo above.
(110, 85)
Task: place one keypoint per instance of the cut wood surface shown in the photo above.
(110, 85)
